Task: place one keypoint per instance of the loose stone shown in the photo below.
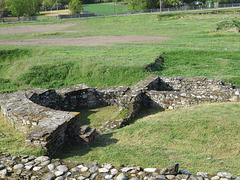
(184, 172)
(37, 168)
(93, 169)
(62, 168)
(107, 166)
(150, 170)
(45, 163)
(28, 167)
(203, 174)
(103, 170)
(122, 177)
(215, 178)
(2, 167)
(114, 171)
(224, 175)
(18, 166)
(170, 176)
(58, 173)
(75, 169)
(42, 159)
(60, 178)
(126, 169)
(84, 169)
(160, 177)
(109, 176)
(48, 176)
(51, 167)
(3, 173)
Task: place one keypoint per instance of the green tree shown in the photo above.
(49, 3)
(75, 6)
(64, 2)
(2, 6)
(148, 4)
(23, 7)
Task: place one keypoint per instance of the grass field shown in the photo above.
(104, 8)
(202, 138)
(12, 140)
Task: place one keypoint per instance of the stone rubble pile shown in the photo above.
(36, 168)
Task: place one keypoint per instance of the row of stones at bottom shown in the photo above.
(34, 168)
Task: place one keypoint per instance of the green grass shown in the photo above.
(187, 136)
(12, 140)
(196, 49)
(99, 116)
(201, 138)
(104, 8)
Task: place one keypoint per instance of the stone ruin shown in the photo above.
(51, 118)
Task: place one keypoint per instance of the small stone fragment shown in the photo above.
(81, 178)
(114, 171)
(109, 176)
(203, 174)
(107, 166)
(122, 177)
(75, 169)
(60, 178)
(69, 174)
(37, 168)
(2, 166)
(184, 172)
(42, 159)
(93, 169)
(170, 176)
(103, 170)
(45, 163)
(58, 173)
(215, 178)
(84, 169)
(51, 167)
(150, 170)
(3, 173)
(160, 177)
(170, 170)
(18, 166)
(28, 167)
(126, 169)
(62, 168)
(224, 175)
(48, 176)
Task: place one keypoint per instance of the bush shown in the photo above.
(75, 6)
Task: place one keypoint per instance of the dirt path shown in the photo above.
(22, 29)
(86, 41)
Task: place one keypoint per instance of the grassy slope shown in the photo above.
(12, 140)
(196, 49)
(202, 138)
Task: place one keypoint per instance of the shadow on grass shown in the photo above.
(102, 140)
(85, 113)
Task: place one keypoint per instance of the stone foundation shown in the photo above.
(50, 118)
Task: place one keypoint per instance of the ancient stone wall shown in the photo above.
(50, 118)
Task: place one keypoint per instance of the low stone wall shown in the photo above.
(50, 118)
(36, 168)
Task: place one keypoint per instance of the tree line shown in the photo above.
(29, 8)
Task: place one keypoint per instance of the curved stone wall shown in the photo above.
(49, 118)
